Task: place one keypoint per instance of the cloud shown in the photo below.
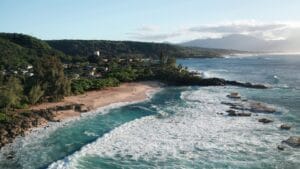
(267, 31)
(148, 28)
(237, 28)
(153, 36)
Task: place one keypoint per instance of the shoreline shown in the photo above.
(96, 101)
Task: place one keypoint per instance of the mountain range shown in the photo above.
(248, 43)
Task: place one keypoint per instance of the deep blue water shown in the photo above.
(180, 127)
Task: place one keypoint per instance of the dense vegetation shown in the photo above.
(17, 50)
(33, 72)
(81, 49)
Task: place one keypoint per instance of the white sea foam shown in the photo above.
(37, 135)
(194, 132)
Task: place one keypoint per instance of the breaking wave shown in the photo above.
(196, 134)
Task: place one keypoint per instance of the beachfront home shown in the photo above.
(97, 53)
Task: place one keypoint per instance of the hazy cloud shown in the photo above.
(237, 28)
(153, 36)
(148, 28)
(268, 31)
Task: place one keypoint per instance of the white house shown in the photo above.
(97, 53)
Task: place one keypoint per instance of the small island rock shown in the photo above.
(265, 121)
(293, 141)
(285, 127)
(280, 147)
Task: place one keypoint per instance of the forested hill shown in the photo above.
(17, 50)
(131, 49)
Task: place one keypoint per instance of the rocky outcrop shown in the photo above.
(223, 82)
(280, 147)
(234, 113)
(247, 85)
(293, 141)
(251, 106)
(234, 95)
(265, 121)
(82, 108)
(21, 122)
(285, 127)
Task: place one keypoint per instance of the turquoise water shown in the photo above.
(179, 127)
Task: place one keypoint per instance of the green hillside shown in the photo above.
(109, 49)
(17, 50)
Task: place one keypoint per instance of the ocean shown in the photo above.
(180, 127)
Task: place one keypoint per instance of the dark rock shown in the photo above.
(252, 106)
(285, 127)
(9, 157)
(234, 113)
(231, 112)
(248, 85)
(265, 121)
(261, 107)
(27, 123)
(234, 95)
(81, 108)
(212, 82)
(65, 107)
(293, 141)
(280, 147)
(244, 114)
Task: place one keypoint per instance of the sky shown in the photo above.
(151, 20)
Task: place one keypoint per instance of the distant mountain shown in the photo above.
(247, 43)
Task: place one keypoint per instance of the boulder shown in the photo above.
(234, 95)
(265, 121)
(285, 127)
(293, 141)
(81, 108)
(27, 123)
(252, 106)
(65, 107)
(234, 113)
(244, 114)
(280, 147)
(261, 107)
(231, 112)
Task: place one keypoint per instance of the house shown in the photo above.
(29, 67)
(76, 76)
(97, 53)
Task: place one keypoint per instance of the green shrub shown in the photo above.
(3, 117)
(81, 85)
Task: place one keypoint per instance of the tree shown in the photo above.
(171, 62)
(35, 94)
(163, 58)
(49, 72)
(11, 94)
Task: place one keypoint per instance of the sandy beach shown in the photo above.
(126, 92)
